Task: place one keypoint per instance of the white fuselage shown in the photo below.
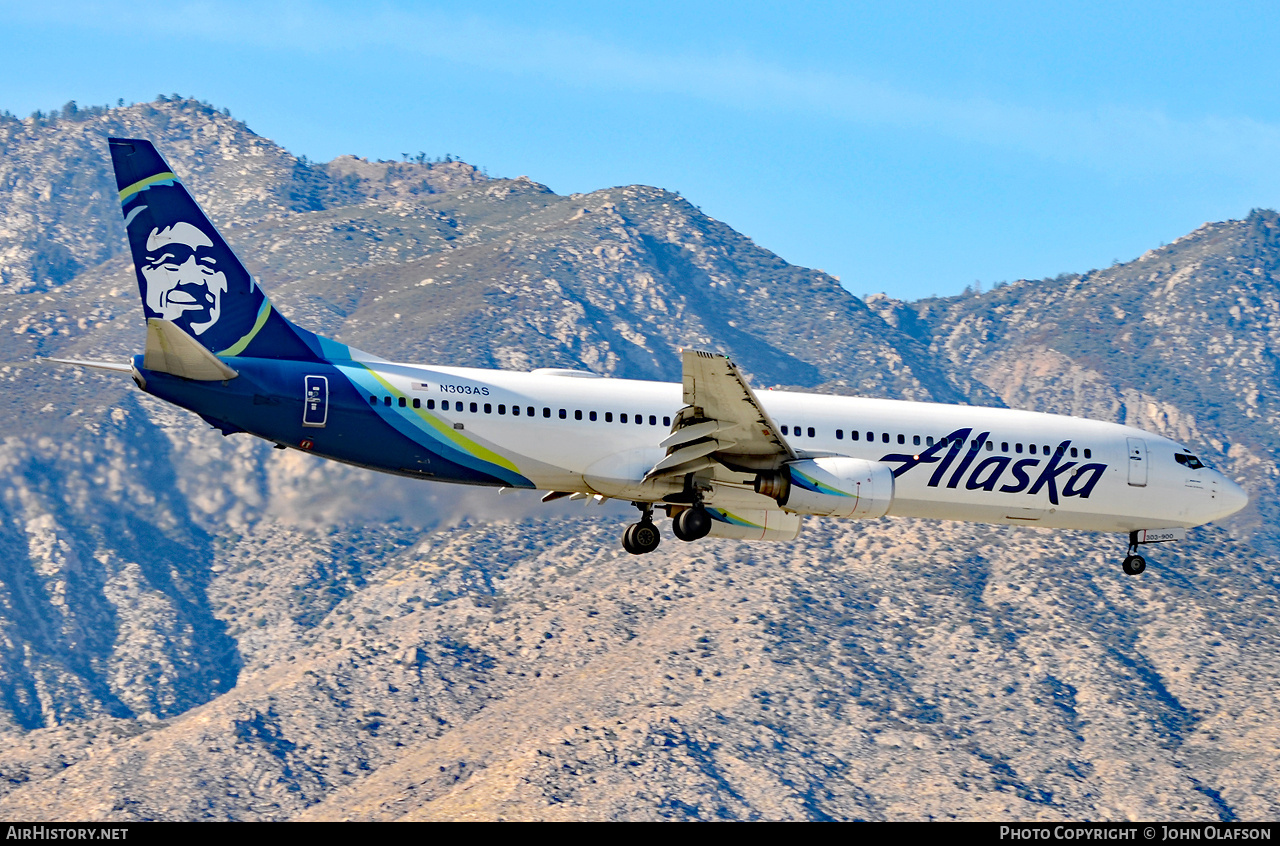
(600, 436)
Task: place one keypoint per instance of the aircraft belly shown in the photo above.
(1052, 517)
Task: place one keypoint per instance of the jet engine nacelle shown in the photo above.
(833, 486)
(753, 524)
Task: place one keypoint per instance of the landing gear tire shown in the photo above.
(691, 524)
(1134, 564)
(641, 537)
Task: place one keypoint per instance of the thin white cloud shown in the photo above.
(1112, 139)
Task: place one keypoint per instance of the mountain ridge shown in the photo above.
(201, 627)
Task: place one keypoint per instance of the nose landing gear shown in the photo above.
(1133, 562)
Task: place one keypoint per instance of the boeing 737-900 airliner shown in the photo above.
(718, 458)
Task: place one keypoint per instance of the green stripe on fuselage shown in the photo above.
(466, 444)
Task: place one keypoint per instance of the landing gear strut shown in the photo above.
(1133, 562)
(644, 536)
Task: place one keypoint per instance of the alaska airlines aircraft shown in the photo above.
(720, 459)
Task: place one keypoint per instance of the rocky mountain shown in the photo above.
(199, 627)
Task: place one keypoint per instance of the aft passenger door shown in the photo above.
(315, 407)
(1137, 462)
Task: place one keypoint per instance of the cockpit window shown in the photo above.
(1189, 461)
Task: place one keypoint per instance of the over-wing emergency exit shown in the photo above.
(711, 454)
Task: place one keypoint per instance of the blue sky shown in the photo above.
(913, 150)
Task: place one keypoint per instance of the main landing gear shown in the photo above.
(644, 536)
(692, 523)
(1133, 562)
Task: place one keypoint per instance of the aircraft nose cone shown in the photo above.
(1231, 496)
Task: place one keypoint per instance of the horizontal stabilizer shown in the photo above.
(171, 350)
(113, 366)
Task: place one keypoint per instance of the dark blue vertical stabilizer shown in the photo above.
(187, 273)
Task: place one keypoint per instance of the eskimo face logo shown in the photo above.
(184, 281)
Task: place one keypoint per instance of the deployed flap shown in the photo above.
(171, 350)
(722, 419)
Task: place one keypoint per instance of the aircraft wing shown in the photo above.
(722, 422)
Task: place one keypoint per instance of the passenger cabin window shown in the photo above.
(839, 434)
(564, 414)
(473, 408)
(488, 408)
(577, 414)
(608, 417)
(811, 432)
(1088, 453)
(431, 404)
(403, 402)
(666, 421)
(373, 400)
(502, 409)
(417, 403)
(902, 439)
